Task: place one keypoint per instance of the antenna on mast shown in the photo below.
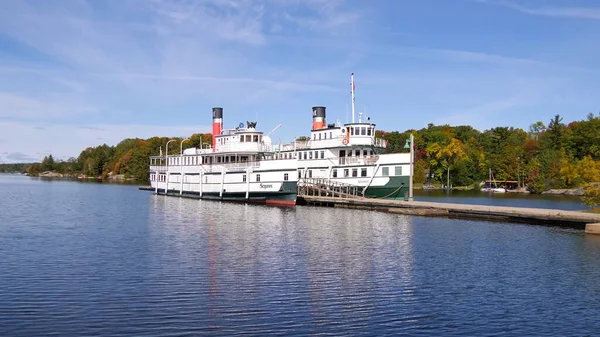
(277, 127)
(352, 86)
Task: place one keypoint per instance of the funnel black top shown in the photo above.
(318, 111)
(217, 113)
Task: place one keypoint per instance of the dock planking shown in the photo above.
(542, 216)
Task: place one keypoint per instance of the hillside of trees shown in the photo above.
(130, 158)
(552, 156)
(556, 155)
(14, 168)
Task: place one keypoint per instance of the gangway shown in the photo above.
(327, 188)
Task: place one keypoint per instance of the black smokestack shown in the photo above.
(217, 113)
(318, 117)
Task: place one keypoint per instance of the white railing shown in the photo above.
(368, 160)
(380, 142)
(217, 167)
(244, 147)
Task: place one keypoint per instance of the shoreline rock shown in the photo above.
(566, 191)
(119, 177)
(52, 174)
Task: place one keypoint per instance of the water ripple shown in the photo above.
(98, 260)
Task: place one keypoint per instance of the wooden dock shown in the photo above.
(572, 219)
(541, 216)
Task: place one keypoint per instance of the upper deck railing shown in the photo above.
(339, 141)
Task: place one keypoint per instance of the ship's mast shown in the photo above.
(352, 86)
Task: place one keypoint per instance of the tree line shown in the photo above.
(14, 168)
(546, 156)
(552, 156)
(130, 158)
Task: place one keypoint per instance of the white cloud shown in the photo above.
(566, 12)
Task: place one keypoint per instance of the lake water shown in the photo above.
(82, 259)
(562, 202)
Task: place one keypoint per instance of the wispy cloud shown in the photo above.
(566, 12)
(52, 106)
(17, 157)
(64, 141)
(271, 84)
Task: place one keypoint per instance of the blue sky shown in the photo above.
(80, 73)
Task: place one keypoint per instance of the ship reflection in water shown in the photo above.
(286, 266)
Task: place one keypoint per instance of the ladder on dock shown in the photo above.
(324, 187)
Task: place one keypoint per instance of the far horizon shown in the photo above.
(81, 74)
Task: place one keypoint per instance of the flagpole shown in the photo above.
(352, 86)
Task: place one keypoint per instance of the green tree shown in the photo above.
(555, 132)
(536, 128)
(47, 163)
(419, 171)
(591, 195)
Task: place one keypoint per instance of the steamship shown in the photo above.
(349, 154)
(239, 165)
(243, 164)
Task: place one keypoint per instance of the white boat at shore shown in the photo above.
(493, 188)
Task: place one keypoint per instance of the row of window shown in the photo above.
(323, 134)
(385, 172)
(309, 155)
(363, 172)
(162, 177)
(250, 138)
(286, 155)
(352, 130)
(243, 139)
(361, 131)
(356, 153)
(197, 160)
